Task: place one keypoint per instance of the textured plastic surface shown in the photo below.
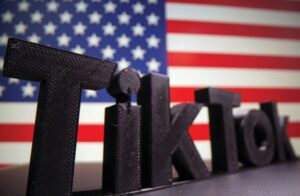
(165, 134)
(124, 84)
(121, 166)
(186, 158)
(270, 109)
(61, 75)
(122, 141)
(222, 130)
(155, 102)
(255, 139)
(288, 148)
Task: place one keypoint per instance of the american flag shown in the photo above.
(250, 47)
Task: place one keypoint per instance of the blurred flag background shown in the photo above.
(250, 47)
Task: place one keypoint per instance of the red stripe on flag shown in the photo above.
(232, 61)
(94, 133)
(266, 4)
(186, 94)
(294, 129)
(90, 133)
(200, 132)
(24, 133)
(231, 29)
(2, 166)
(16, 132)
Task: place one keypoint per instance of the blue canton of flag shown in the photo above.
(129, 32)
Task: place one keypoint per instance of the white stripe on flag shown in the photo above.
(93, 113)
(232, 45)
(190, 76)
(226, 14)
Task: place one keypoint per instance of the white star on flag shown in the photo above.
(122, 64)
(20, 28)
(138, 53)
(90, 93)
(63, 40)
(81, 7)
(123, 41)
(1, 63)
(124, 18)
(153, 41)
(50, 28)
(36, 17)
(13, 81)
(34, 38)
(3, 39)
(138, 30)
(78, 49)
(95, 18)
(138, 8)
(152, 1)
(23, 6)
(110, 7)
(28, 90)
(79, 29)
(2, 88)
(153, 65)
(66, 17)
(152, 19)
(7, 17)
(52, 6)
(93, 40)
(108, 52)
(109, 29)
